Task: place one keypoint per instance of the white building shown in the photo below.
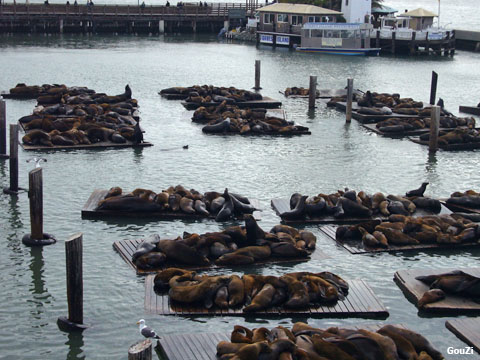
(357, 11)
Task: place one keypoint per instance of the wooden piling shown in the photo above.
(312, 92)
(74, 257)
(257, 75)
(35, 194)
(141, 350)
(433, 88)
(13, 189)
(394, 35)
(3, 130)
(349, 100)
(434, 125)
(377, 39)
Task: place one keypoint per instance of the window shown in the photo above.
(268, 18)
(314, 19)
(297, 20)
(282, 18)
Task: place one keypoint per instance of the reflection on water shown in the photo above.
(40, 294)
(75, 344)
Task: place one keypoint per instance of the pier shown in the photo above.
(122, 19)
(468, 40)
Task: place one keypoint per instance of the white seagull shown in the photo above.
(147, 331)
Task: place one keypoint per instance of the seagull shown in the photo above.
(147, 331)
(37, 161)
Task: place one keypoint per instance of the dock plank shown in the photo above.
(89, 211)
(356, 246)
(360, 302)
(467, 330)
(368, 119)
(449, 147)
(126, 249)
(414, 289)
(99, 145)
(474, 110)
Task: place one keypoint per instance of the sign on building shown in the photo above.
(266, 39)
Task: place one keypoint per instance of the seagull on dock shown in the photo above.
(147, 331)
(37, 161)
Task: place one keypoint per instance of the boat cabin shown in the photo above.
(281, 23)
(418, 19)
(339, 38)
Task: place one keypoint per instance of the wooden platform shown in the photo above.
(99, 145)
(467, 330)
(357, 247)
(399, 134)
(283, 204)
(89, 211)
(449, 147)
(360, 302)
(126, 248)
(366, 119)
(460, 208)
(264, 133)
(266, 102)
(414, 290)
(203, 346)
(173, 96)
(474, 110)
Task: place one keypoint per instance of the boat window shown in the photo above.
(268, 18)
(316, 33)
(282, 18)
(315, 19)
(297, 20)
(347, 34)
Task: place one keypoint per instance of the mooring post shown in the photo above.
(394, 35)
(3, 130)
(312, 92)
(349, 100)
(13, 189)
(434, 125)
(257, 75)
(141, 350)
(74, 256)
(433, 88)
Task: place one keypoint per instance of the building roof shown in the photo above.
(418, 13)
(301, 9)
(382, 9)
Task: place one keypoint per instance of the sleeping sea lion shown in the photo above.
(235, 291)
(226, 347)
(285, 249)
(431, 296)
(241, 334)
(221, 297)
(151, 260)
(182, 253)
(201, 208)
(234, 259)
(298, 212)
(262, 299)
(128, 203)
(174, 201)
(163, 277)
(329, 350)
(186, 205)
(146, 246)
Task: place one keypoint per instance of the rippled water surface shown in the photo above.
(335, 156)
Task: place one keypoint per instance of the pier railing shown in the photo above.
(219, 10)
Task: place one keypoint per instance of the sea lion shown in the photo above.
(252, 351)
(253, 231)
(37, 137)
(234, 259)
(396, 237)
(454, 282)
(262, 334)
(298, 291)
(377, 199)
(368, 239)
(298, 212)
(161, 198)
(309, 238)
(218, 249)
(241, 334)
(417, 192)
(201, 208)
(220, 127)
(226, 347)
(431, 296)
(285, 229)
(285, 249)
(257, 252)
(174, 202)
(151, 260)
(114, 191)
(388, 345)
(182, 253)
(353, 208)
(163, 277)
(405, 348)
(146, 246)
(186, 205)
(329, 350)
(235, 291)
(262, 299)
(397, 207)
(227, 209)
(221, 297)
(202, 290)
(315, 207)
(241, 207)
(418, 341)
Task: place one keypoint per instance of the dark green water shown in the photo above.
(335, 156)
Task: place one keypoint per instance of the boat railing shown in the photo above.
(407, 34)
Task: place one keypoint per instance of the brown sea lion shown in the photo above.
(161, 198)
(128, 203)
(201, 208)
(162, 278)
(257, 252)
(262, 334)
(377, 199)
(309, 238)
(151, 260)
(388, 345)
(368, 239)
(241, 334)
(201, 290)
(234, 259)
(174, 202)
(285, 249)
(404, 347)
(418, 341)
(396, 237)
(253, 231)
(431, 296)
(252, 351)
(285, 229)
(235, 291)
(381, 238)
(298, 212)
(186, 205)
(182, 253)
(262, 299)
(226, 347)
(114, 191)
(37, 137)
(298, 291)
(329, 350)
(221, 297)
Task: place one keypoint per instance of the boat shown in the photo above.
(337, 38)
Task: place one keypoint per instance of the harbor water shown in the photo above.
(335, 156)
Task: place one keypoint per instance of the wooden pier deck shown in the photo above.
(360, 302)
(368, 119)
(467, 330)
(203, 346)
(99, 145)
(449, 147)
(89, 211)
(126, 248)
(414, 290)
(357, 247)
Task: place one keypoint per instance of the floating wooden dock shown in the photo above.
(357, 247)
(467, 330)
(396, 134)
(325, 94)
(203, 346)
(266, 102)
(449, 147)
(99, 145)
(474, 110)
(126, 248)
(283, 204)
(360, 302)
(89, 211)
(459, 208)
(414, 290)
(365, 118)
